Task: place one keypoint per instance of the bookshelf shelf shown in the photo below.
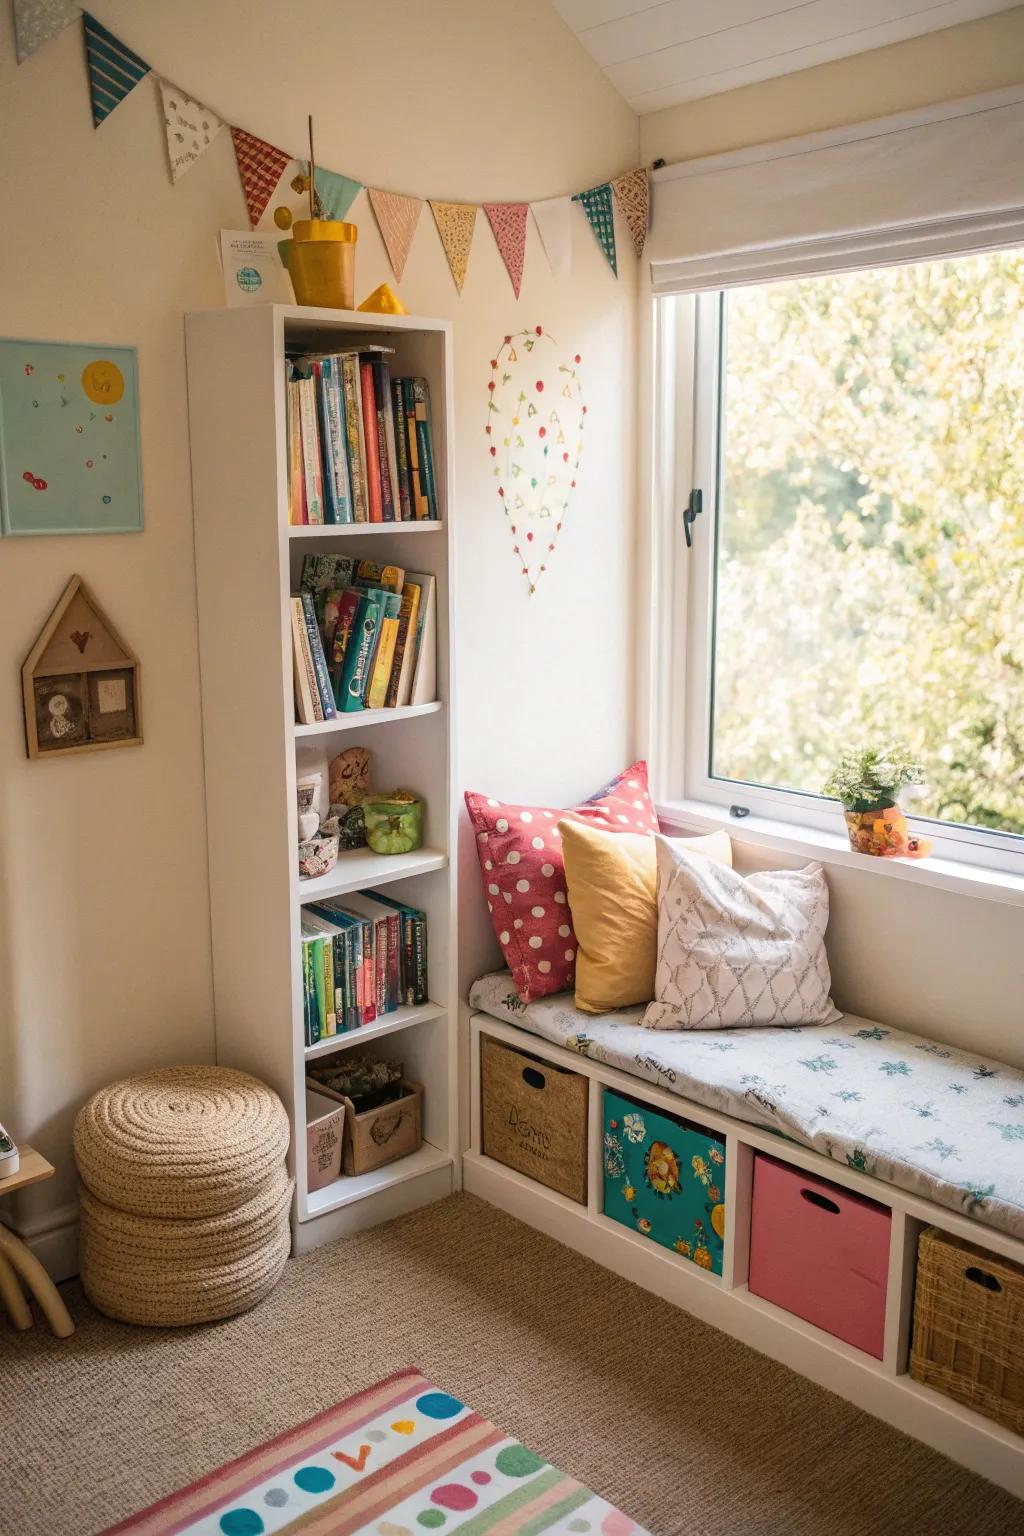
(347, 1190)
(390, 1024)
(248, 562)
(363, 717)
(347, 530)
(363, 867)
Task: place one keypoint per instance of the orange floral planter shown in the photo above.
(883, 833)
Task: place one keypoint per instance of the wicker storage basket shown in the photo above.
(969, 1327)
(534, 1118)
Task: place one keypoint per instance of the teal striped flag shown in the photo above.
(114, 69)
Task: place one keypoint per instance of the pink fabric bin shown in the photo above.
(821, 1252)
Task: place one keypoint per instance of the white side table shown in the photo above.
(18, 1261)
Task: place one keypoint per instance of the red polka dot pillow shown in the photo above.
(520, 854)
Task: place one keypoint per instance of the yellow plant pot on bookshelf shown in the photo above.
(322, 263)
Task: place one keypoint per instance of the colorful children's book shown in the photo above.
(355, 433)
(373, 460)
(424, 663)
(384, 654)
(401, 449)
(307, 694)
(400, 682)
(424, 440)
(359, 654)
(316, 652)
(311, 460)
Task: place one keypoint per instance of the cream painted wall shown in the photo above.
(104, 941)
(959, 61)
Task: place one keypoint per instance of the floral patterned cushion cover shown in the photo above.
(933, 1120)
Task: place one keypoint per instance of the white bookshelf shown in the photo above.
(247, 562)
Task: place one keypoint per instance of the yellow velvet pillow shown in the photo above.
(612, 881)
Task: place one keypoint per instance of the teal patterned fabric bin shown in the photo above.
(665, 1178)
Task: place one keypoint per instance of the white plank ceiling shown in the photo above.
(657, 55)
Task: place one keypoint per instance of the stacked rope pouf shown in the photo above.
(185, 1210)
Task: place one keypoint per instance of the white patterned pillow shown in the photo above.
(735, 949)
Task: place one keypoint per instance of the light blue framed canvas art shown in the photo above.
(69, 438)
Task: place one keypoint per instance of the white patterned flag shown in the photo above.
(191, 128)
(36, 21)
(114, 70)
(552, 216)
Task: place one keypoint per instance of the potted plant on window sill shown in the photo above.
(869, 782)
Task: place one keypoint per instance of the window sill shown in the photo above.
(831, 848)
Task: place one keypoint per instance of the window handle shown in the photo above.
(693, 509)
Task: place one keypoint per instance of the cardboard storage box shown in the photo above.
(324, 1122)
(534, 1118)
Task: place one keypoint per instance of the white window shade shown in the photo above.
(897, 189)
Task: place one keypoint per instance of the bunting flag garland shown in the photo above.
(552, 219)
(36, 21)
(508, 221)
(633, 200)
(455, 223)
(191, 128)
(114, 70)
(337, 193)
(597, 205)
(397, 217)
(260, 167)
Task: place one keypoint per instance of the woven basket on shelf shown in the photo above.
(185, 1210)
(534, 1118)
(969, 1326)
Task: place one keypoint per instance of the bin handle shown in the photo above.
(532, 1078)
(982, 1277)
(814, 1198)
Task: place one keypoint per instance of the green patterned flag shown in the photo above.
(114, 69)
(598, 207)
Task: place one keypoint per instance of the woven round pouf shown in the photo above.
(185, 1212)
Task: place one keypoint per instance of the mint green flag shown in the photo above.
(336, 193)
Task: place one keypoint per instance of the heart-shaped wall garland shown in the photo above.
(535, 417)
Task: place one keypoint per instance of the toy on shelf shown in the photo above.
(394, 823)
(383, 301)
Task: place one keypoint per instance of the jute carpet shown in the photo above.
(690, 1432)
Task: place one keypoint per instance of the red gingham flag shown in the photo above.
(259, 168)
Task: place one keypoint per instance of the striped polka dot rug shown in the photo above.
(401, 1459)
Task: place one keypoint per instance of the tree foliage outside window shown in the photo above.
(870, 579)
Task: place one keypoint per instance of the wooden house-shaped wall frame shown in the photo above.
(80, 682)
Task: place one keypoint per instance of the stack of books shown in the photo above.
(363, 956)
(360, 447)
(364, 636)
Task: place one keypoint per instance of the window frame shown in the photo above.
(689, 380)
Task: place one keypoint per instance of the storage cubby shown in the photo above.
(248, 561)
(874, 1377)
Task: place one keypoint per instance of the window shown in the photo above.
(858, 575)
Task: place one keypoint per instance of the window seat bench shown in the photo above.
(934, 1121)
(932, 1133)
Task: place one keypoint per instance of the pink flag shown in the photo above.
(397, 218)
(508, 221)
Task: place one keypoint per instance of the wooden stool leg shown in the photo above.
(11, 1298)
(38, 1281)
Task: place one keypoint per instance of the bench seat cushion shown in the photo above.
(928, 1118)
